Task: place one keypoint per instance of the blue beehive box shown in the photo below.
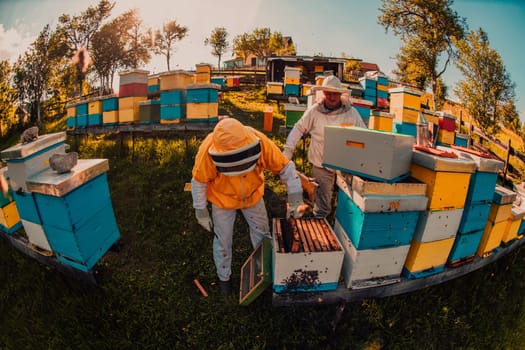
(172, 97)
(465, 245)
(94, 119)
(76, 212)
(171, 112)
(109, 104)
(71, 122)
(376, 215)
(82, 108)
(475, 216)
(291, 89)
(198, 93)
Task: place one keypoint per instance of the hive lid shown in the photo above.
(51, 183)
(20, 150)
(489, 165)
(437, 163)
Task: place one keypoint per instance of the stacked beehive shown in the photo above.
(71, 115)
(76, 212)
(377, 211)
(369, 86)
(477, 205)
(405, 105)
(292, 81)
(173, 86)
(202, 103)
(94, 112)
(9, 217)
(500, 210)
(153, 84)
(110, 110)
(382, 91)
(24, 161)
(82, 114)
(233, 82)
(363, 107)
(447, 177)
(133, 89)
(68, 215)
(375, 222)
(221, 81)
(447, 129)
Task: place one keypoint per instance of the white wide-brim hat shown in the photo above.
(332, 84)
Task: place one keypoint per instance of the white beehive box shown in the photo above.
(36, 235)
(305, 271)
(25, 160)
(370, 267)
(378, 155)
(439, 224)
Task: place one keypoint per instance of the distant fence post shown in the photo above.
(506, 163)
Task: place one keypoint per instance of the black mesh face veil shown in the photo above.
(238, 161)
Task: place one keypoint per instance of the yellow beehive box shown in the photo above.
(446, 137)
(130, 102)
(306, 89)
(274, 88)
(175, 80)
(202, 78)
(110, 117)
(203, 68)
(431, 116)
(318, 69)
(405, 97)
(427, 255)
(382, 87)
(291, 81)
(404, 114)
(445, 189)
(95, 107)
(381, 121)
(153, 80)
(9, 216)
(491, 239)
(71, 111)
(129, 115)
(500, 212)
(202, 110)
(513, 224)
(511, 230)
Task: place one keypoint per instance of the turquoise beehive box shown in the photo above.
(76, 212)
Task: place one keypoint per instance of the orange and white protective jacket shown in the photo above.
(239, 191)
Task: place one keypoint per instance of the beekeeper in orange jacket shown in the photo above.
(228, 172)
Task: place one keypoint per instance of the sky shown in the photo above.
(330, 27)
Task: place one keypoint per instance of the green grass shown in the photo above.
(146, 298)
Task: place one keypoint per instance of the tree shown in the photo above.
(218, 42)
(427, 29)
(7, 96)
(262, 43)
(486, 90)
(34, 71)
(79, 30)
(120, 44)
(164, 41)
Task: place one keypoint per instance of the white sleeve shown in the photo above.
(198, 193)
(290, 178)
